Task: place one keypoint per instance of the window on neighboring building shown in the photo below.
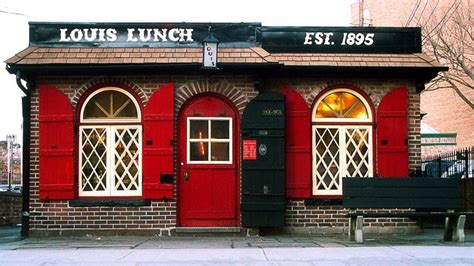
(110, 136)
(342, 140)
(209, 140)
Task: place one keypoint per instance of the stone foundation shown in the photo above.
(10, 208)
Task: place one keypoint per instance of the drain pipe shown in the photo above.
(26, 109)
(20, 85)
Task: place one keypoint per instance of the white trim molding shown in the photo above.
(209, 140)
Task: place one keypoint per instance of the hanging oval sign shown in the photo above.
(262, 149)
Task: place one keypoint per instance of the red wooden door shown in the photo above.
(158, 144)
(392, 134)
(208, 156)
(56, 145)
(298, 145)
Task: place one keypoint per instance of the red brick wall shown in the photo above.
(447, 113)
(386, 13)
(160, 218)
(330, 219)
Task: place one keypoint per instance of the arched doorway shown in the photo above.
(208, 162)
(342, 140)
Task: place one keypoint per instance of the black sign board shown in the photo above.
(272, 39)
(140, 34)
(341, 39)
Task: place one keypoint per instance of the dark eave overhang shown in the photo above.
(175, 68)
(419, 73)
(268, 70)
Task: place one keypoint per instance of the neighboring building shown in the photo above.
(15, 164)
(434, 143)
(3, 163)
(446, 111)
(132, 130)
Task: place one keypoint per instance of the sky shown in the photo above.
(15, 14)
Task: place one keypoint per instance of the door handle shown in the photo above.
(186, 175)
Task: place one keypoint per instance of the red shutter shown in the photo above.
(56, 146)
(158, 144)
(298, 145)
(392, 134)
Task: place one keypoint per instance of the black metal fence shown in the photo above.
(457, 164)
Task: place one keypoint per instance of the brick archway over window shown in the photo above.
(224, 88)
(95, 82)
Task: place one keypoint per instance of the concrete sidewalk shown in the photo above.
(425, 249)
(392, 255)
(10, 240)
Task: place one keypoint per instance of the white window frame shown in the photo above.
(115, 120)
(110, 159)
(332, 119)
(107, 162)
(111, 126)
(209, 140)
(314, 161)
(137, 192)
(342, 155)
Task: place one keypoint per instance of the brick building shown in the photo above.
(434, 142)
(445, 111)
(131, 134)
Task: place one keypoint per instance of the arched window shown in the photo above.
(110, 144)
(342, 140)
(342, 105)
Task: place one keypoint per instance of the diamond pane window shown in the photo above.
(340, 149)
(110, 155)
(213, 148)
(357, 152)
(327, 163)
(126, 159)
(93, 159)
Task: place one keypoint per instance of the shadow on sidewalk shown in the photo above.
(10, 234)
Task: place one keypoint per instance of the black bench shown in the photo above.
(425, 197)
